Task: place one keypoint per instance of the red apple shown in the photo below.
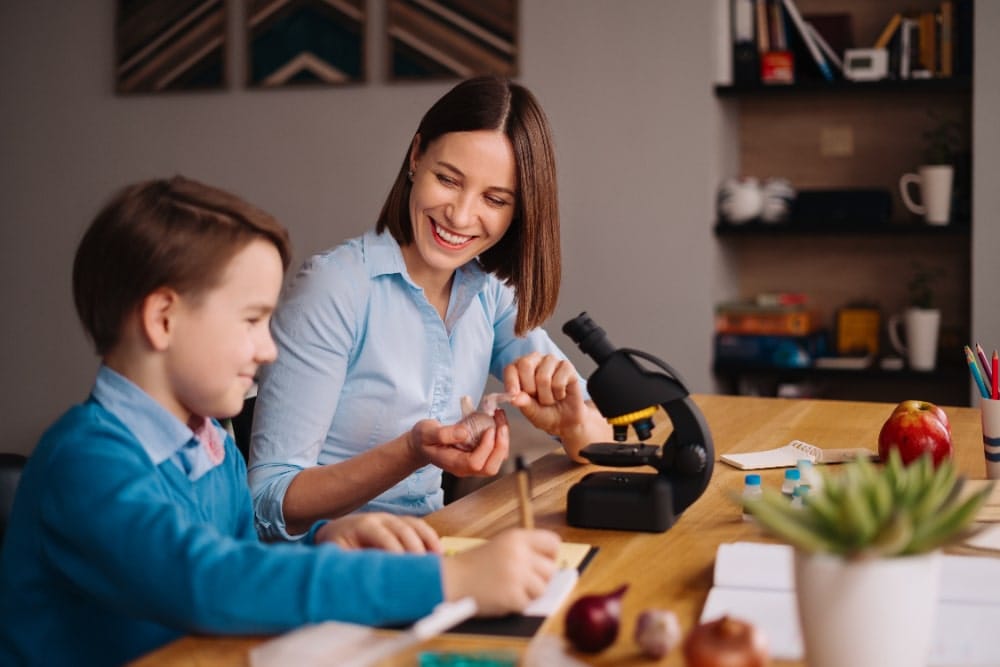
(909, 406)
(916, 428)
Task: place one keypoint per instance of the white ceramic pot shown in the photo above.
(877, 612)
(921, 327)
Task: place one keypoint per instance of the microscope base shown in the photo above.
(621, 501)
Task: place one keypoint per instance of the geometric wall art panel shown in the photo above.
(305, 42)
(170, 45)
(436, 39)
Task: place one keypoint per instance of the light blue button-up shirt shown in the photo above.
(160, 433)
(362, 357)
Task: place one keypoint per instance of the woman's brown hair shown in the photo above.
(175, 233)
(528, 256)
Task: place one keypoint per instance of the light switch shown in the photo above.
(836, 141)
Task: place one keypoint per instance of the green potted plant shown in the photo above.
(920, 289)
(936, 174)
(942, 140)
(867, 555)
(921, 320)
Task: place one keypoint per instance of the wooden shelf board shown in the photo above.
(945, 85)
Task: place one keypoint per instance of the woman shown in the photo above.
(380, 337)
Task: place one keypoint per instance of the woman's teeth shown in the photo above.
(454, 239)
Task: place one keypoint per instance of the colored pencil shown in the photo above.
(996, 376)
(987, 375)
(524, 493)
(974, 369)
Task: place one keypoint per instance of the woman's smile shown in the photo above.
(450, 239)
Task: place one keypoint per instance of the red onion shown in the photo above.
(592, 621)
(726, 642)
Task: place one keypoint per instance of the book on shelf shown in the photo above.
(746, 62)
(813, 50)
(776, 26)
(825, 47)
(747, 318)
(777, 65)
(888, 32)
(946, 44)
(928, 41)
(763, 35)
(962, 37)
(768, 350)
(906, 46)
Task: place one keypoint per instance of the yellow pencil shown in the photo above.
(524, 493)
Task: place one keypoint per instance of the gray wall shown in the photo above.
(640, 139)
(626, 85)
(986, 170)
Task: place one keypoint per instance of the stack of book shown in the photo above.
(771, 330)
(774, 43)
(929, 44)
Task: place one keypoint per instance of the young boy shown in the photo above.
(133, 523)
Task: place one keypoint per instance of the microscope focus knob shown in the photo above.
(691, 459)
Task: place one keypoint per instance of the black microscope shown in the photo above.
(627, 387)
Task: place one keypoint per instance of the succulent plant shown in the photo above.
(869, 511)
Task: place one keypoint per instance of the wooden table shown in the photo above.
(671, 570)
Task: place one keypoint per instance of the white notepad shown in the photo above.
(789, 455)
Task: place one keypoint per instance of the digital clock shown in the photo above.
(866, 64)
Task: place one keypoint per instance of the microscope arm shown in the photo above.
(687, 457)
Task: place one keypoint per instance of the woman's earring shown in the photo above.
(409, 174)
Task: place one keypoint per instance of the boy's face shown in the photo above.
(221, 338)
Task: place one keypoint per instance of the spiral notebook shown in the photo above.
(788, 456)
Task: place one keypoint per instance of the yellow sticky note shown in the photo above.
(571, 554)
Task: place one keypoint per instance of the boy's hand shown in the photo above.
(505, 574)
(379, 530)
(442, 446)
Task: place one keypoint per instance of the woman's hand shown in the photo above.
(443, 446)
(379, 530)
(547, 391)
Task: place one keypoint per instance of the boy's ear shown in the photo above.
(156, 317)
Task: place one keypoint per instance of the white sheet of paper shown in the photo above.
(755, 582)
(988, 538)
(560, 586)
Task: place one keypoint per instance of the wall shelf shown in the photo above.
(958, 84)
(948, 384)
(758, 229)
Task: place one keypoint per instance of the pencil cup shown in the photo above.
(991, 436)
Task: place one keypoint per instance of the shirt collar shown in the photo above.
(160, 433)
(383, 257)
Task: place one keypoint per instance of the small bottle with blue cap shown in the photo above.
(751, 489)
(801, 491)
(808, 474)
(792, 478)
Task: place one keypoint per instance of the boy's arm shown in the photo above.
(133, 537)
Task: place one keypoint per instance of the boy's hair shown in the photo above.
(174, 233)
(528, 255)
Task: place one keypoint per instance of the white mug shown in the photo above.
(935, 192)
(921, 327)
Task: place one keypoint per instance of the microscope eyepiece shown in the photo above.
(590, 338)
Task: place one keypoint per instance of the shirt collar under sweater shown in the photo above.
(160, 433)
